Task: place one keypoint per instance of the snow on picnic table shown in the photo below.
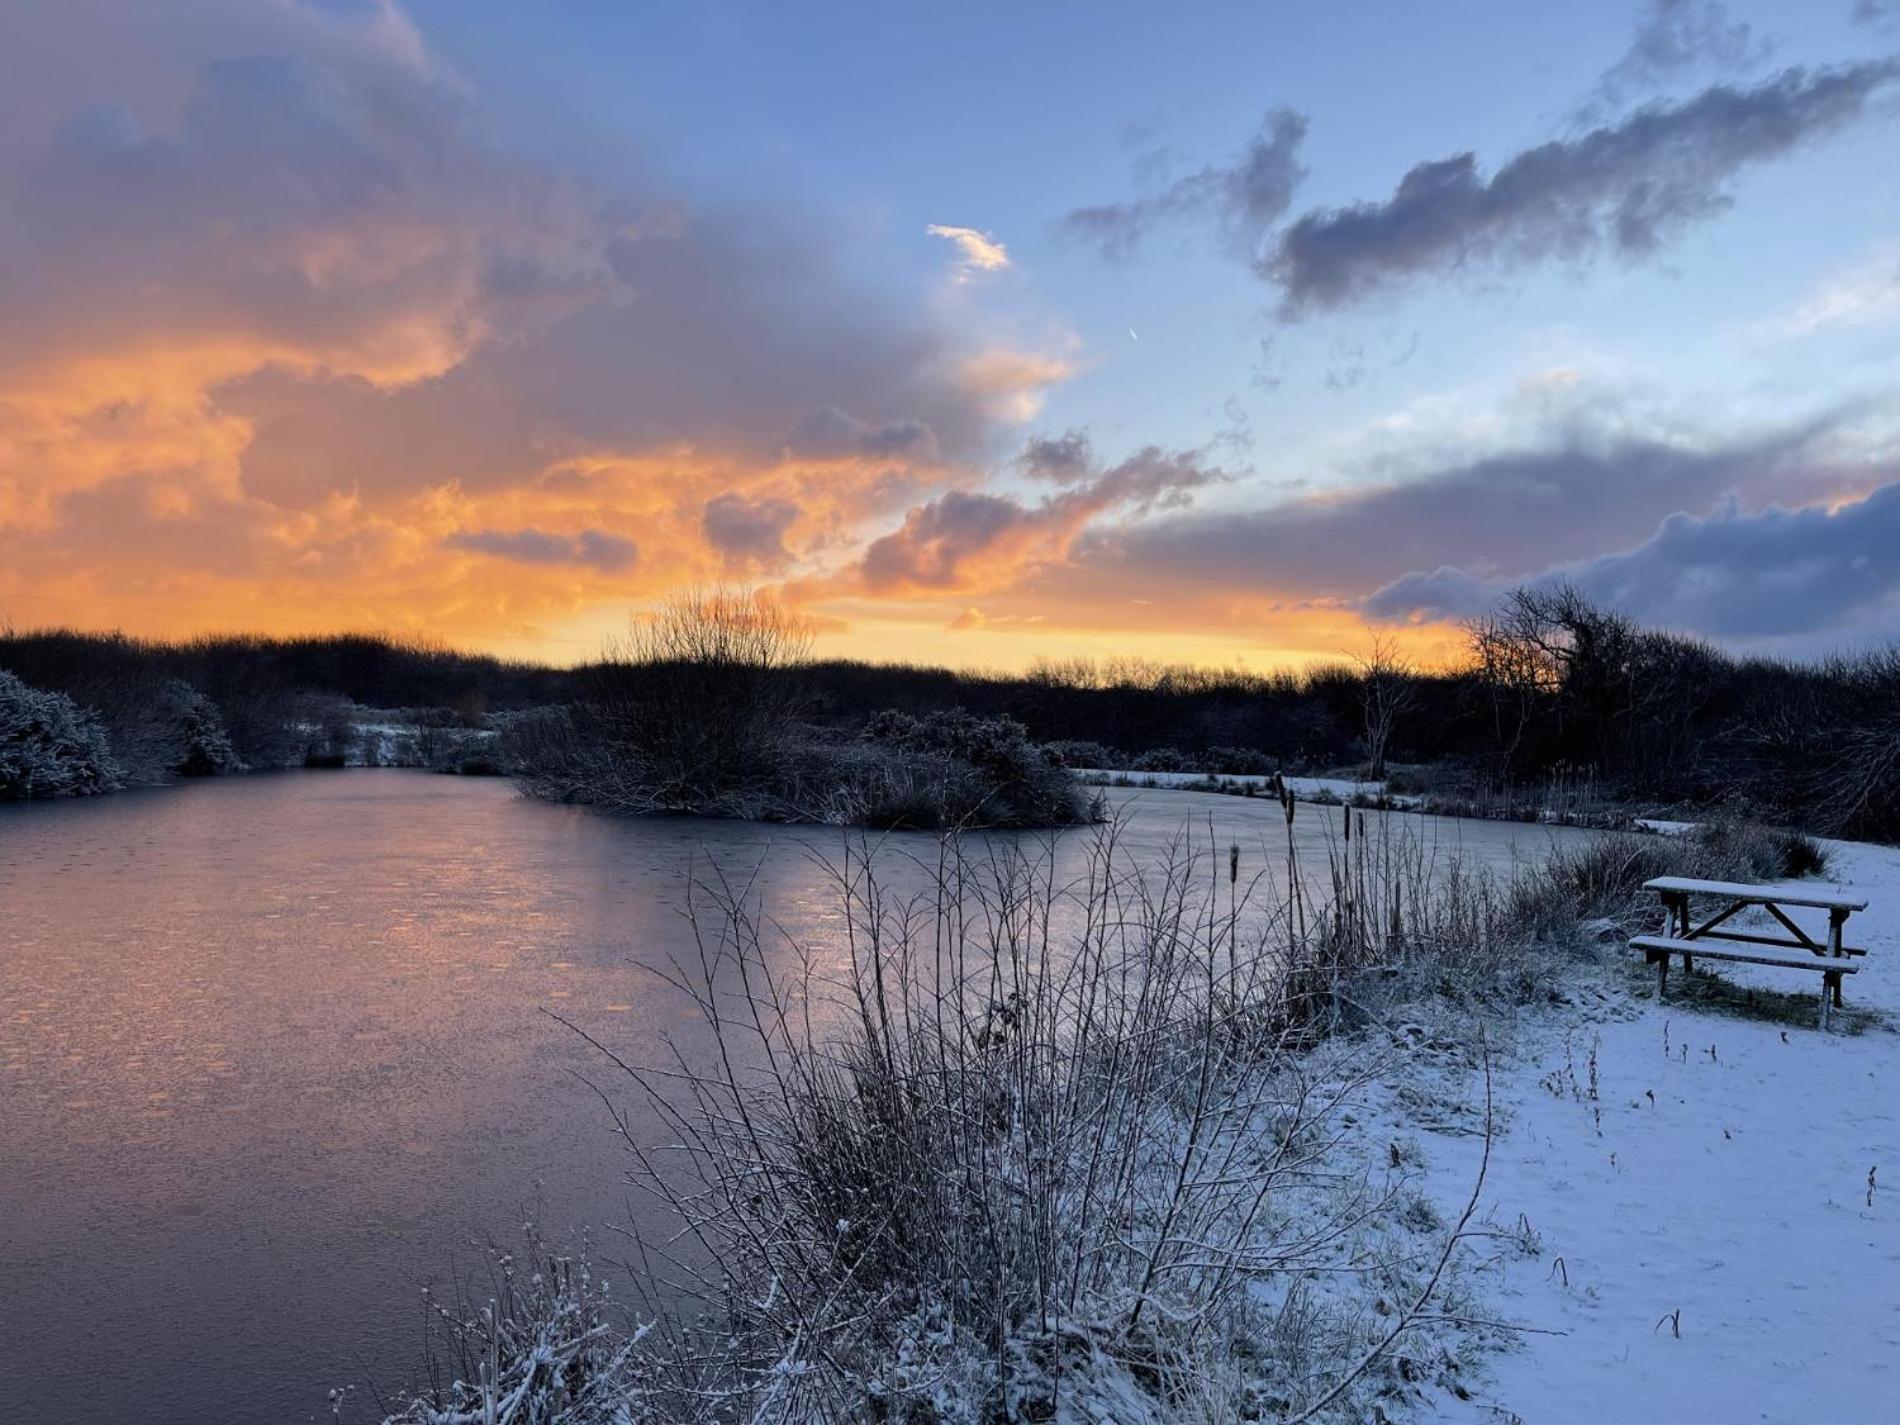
(1727, 1182)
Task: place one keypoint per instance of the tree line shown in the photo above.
(1551, 685)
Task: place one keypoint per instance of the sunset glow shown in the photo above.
(473, 323)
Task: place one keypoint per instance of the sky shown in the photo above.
(1234, 334)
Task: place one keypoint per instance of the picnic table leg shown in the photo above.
(1836, 919)
(1662, 972)
(1829, 982)
(1682, 913)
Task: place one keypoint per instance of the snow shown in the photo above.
(1662, 827)
(1787, 893)
(1339, 788)
(1333, 789)
(1718, 1184)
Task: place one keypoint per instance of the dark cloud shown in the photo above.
(1510, 514)
(1881, 14)
(1624, 188)
(969, 539)
(829, 434)
(339, 204)
(939, 538)
(1732, 575)
(1672, 38)
(749, 533)
(1447, 594)
(591, 548)
(1064, 458)
(1245, 197)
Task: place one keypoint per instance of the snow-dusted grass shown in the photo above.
(1717, 1195)
(1158, 1169)
(1165, 1169)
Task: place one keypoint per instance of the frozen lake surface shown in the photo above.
(272, 1054)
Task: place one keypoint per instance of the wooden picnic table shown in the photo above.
(1714, 939)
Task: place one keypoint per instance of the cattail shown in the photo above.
(1233, 862)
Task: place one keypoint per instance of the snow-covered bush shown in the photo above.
(49, 746)
(1010, 780)
(202, 747)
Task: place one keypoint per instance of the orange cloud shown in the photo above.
(293, 344)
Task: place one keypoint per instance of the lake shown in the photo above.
(273, 1053)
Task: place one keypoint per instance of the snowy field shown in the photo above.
(1716, 1199)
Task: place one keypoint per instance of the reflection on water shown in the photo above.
(272, 1053)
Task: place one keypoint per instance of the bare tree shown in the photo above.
(1389, 684)
(1552, 653)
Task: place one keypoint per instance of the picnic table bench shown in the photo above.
(1713, 939)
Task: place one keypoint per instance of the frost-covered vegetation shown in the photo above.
(168, 711)
(50, 747)
(963, 770)
(1024, 1175)
(1155, 1167)
(140, 736)
(198, 743)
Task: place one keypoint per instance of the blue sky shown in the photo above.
(885, 118)
(724, 209)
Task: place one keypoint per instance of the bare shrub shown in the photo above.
(691, 712)
(1839, 746)
(1237, 761)
(540, 1341)
(1025, 1173)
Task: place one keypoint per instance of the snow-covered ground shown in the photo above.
(1334, 789)
(1718, 1202)
(1662, 827)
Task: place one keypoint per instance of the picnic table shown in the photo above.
(1714, 939)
